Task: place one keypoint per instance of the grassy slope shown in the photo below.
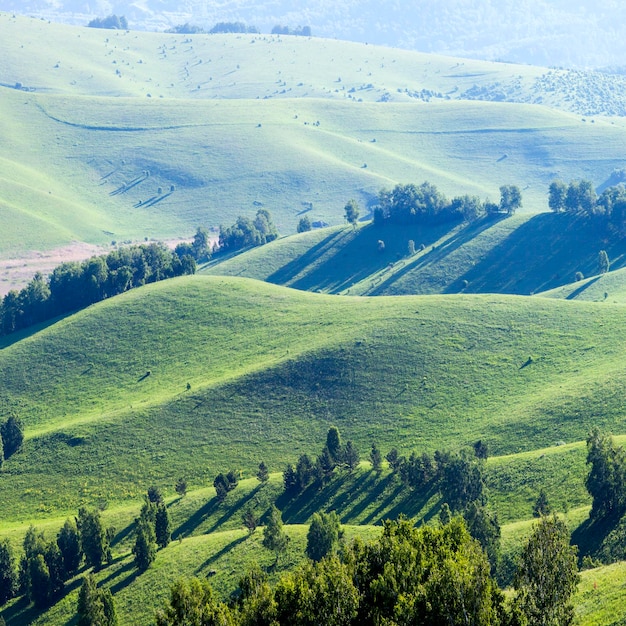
(521, 255)
(270, 369)
(69, 145)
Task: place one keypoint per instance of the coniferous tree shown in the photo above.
(181, 487)
(12, 432)
(333, 444)
(162, 526)
(145, 547)
(351, 456)
(263, 474)
(376, 458)
(93, 537)
(95, 606)
(69, 545)
(8, 572)
(542, 506)
(274, 536)
(290, 480)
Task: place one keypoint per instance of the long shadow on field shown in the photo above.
(437, 254)
(289, 271)
(593, 538)
(544, 252)
(218, 555)
(582, 288)
(122, 584)
(189, 525)
(236, 507)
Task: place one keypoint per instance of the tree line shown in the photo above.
(74, 285)
(425, 204)
(579, 197)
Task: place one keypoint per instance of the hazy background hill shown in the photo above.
(542, 32)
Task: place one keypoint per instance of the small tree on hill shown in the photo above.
(547, 575)
(263, 474)
(510, 199)
(333, 444)
(93, 537)
(352, 213)
(95, 606)
(154, 494)
(8, 572)
(542, 506)
(221, 485)
(181, 487)
(603, 262)
(69, 545)
(274, 536)
(304, 225)
(351, 456)
(12, 433)
(145, 545)
(557, 195)
(323, 536)
(376, 458)
(162, 526)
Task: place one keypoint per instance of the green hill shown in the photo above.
(269, 369)
(523, 254)
(235, 122)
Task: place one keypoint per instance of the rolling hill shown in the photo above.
(524, 254)
(123, 136)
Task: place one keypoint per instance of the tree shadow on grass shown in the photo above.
(122, 584)
(591, 535)
(218, 555)
(191, 523)
(234, 507)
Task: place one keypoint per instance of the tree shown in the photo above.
(351, 456)
(39, 577)
(603, 262)
(274, 537)
(93, 537)
(154, 494)
(95, 606)
(481, 450)
(317, 593)
(461, 481)
(542, 506)
(263, 474)
(483, 525)
(69, 545)
(606, 481)
(193, 602)
(290, 480)
(510, 199)
(8, 573)
(393, 459)
(376, 458)
(221, 485)
(145, 547)
(547, 576)
(352, 212)
(304, 472)
(333, 444)
(304, 225)
(250, 520)
(162, 526)
(557, 195)
(323, 535)
(181, 487)
(201, 244)
(445, 514)
(12, 433)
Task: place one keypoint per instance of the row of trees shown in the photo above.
(246, 232)
(114, 22)
(579, 196)
(153, 529)
(75, 285)
(45, 566)
(425, 204)
(436, 574)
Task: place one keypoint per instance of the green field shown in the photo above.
(235, 122)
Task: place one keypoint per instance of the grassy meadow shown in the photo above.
(225, 124)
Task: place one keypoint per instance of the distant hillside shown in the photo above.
(539, 31)
(523, 254)
(123, 136)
